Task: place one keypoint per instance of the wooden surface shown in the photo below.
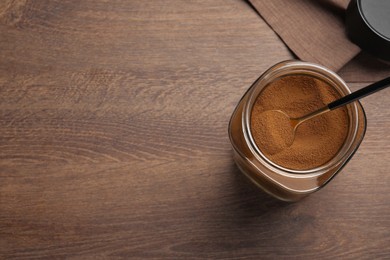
(113, 139)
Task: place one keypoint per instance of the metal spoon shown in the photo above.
(295, 122)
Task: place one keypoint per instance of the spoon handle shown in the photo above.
(370, 89)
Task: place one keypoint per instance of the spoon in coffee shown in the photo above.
(283, 121)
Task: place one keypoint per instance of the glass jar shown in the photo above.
(282, 183)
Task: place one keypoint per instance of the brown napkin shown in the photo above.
(313, 29)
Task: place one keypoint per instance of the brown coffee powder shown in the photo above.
(316, 141)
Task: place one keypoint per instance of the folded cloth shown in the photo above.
(313, 29)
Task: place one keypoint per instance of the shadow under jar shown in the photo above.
(274, 174)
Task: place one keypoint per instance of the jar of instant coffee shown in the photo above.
(320, 147)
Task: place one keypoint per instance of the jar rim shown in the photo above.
(291, 67)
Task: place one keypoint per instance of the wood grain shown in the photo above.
(113, 140)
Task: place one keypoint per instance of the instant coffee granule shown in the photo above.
(317, 140)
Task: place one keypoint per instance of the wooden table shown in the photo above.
(113, 139)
